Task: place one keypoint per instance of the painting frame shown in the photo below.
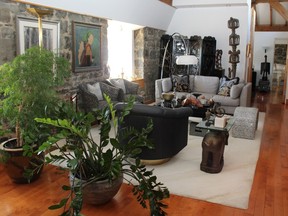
(27, 26)
(86, 47)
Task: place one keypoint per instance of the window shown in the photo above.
(121, 49)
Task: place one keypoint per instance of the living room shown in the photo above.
(196, 22)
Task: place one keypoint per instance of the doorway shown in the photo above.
(279, 66)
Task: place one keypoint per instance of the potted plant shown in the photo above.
(28, 88)
(103, 161)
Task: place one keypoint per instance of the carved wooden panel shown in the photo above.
(208, 56)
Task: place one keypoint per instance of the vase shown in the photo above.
(16, 163)
(98, 192)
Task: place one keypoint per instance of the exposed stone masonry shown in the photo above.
(147, 46)
(147, 51)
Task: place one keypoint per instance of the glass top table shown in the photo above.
(210, 125)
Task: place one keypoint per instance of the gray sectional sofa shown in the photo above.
(209, 86)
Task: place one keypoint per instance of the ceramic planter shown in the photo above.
(16, 163)
(98, 192)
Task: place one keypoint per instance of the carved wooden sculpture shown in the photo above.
(234, 41)
(213, 146)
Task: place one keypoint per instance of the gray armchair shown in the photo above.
(90, 96)
(129, 88)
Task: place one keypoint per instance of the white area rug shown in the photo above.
(231, 187)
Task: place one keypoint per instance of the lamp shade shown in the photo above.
(186, 60)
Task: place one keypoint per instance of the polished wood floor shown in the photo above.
(269, 195)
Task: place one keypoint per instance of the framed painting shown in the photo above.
(28, 36)
(86, 47)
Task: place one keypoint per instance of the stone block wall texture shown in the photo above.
(146, 58)
(147, 46)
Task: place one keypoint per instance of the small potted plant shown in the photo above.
(93, 162)
(28, 88)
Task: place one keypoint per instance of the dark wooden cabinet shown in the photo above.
(167, 62)
(195, 48)
(175, 48)
(204, 49)
(208, 56)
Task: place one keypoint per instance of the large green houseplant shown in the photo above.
(93, 159)
(28, 87)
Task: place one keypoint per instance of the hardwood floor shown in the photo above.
(269, 195)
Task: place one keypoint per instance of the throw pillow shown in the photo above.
(166, 85)
(180, 83)
(226, 84)
(236, 90)
(96, 90)
(119, 83)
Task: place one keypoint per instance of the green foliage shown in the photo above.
(28, 85)
(106, 158)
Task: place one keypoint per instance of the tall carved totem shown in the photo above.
(234, 41)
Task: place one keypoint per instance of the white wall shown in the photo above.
(213, 21)
(151, 13)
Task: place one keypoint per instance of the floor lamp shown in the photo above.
(182, 59)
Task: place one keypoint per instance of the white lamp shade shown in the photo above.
(186, 60)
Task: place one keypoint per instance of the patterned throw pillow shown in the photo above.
(119, 83)
(226, 84)
(96, 90)
(180, 83)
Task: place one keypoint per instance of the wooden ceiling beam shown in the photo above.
(169, 2)
(280, 9)
(275, 28)
(271, 13)
(267, 1)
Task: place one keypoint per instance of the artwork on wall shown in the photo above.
(28, 36)
(86, 47)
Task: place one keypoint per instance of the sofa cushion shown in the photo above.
(119, 83)
(115, 93)
(180, 83)
(236, 90)
(166, 85)
(96, 90)
(226, 101)
(181, 95)
(226, 84)
(206, 84)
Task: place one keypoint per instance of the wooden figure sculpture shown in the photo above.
(234, 41)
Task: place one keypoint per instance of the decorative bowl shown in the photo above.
(168, 96)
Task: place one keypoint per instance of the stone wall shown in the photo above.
(9, 11)
(146, 53)
(147, 46)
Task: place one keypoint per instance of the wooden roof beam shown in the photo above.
(267, 1)
(280, 9)
(271, 18)
(275, 28)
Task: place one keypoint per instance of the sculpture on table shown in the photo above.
(265, 68)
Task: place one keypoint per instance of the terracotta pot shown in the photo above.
(17, 163)
(99, 192)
